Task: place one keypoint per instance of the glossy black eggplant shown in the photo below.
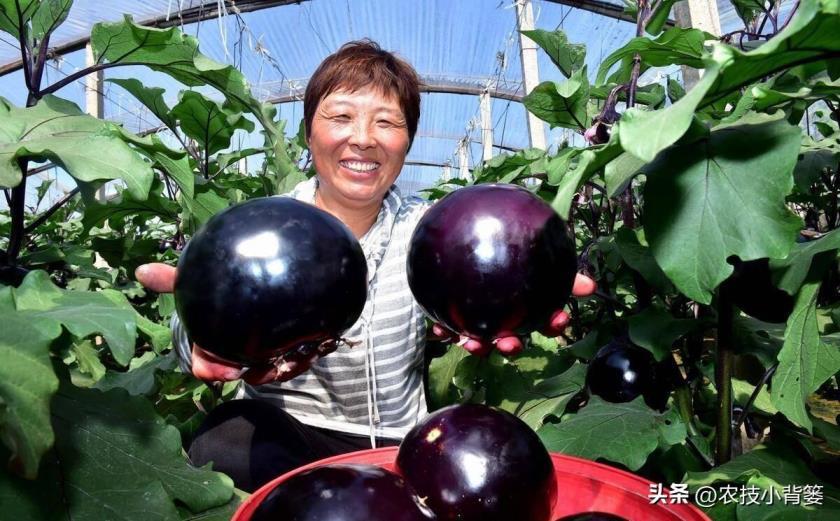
(751, 288)
(268, 275)
(620, 372)
(491, 260)
(342, 493)
(476, 463)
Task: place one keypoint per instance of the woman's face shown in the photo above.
(358, 143)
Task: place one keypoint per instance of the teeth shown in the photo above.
(360, 166)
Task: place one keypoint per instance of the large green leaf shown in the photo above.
(12, 12)
(27, 383)
(638, 257)
(80, 312)
(57, 130)
(209, 123)
(704, 202)
(801, 356)
(117, 460)
(676, 46)
(809, 37)
(625, 433)
(793, 269)
(442, 372)
(561, 104)
(590, 161)
(656, 330)
(140, 377)
(150, 97)
(770, 467)
(128, 206)
(568, 57)
(50, 14)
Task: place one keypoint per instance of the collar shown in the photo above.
(375, 241)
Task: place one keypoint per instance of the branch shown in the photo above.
(743, 416)
(49, 212)
(24, 50)
(78, 75)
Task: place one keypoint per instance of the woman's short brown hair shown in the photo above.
(360, 64)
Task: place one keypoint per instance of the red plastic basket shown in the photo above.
(582, 486)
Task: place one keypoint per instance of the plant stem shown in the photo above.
(48, 213)
(723, 379)
(17, 207)
(754, 395)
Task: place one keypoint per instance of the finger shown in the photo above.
(210, 368)
(558, 322)
(509, 345)
(156, 276)
(260, 375)
(441, 333)
(476, 347)
(583, 286)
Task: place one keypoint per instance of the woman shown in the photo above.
(361, 110)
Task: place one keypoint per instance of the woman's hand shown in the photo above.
(160, 278)
(511, 345)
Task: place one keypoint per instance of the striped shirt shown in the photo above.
(376, 387)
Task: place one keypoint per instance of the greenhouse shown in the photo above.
(384, 260)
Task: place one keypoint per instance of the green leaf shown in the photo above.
(126, 205)
(620, 172)
(206, 204)
(87, 357)
(656, 330)
(140, 377)
(442, 372)
(794, 268)
(12, 11)
(561, 104)
(27, 384)
(117, 460)
(639, 257)
(158, 335)
(676, 46)
(568, 57)
(57, 130)
(675, 90)
(743, 390)
(748, 10)
(659, 16)
(150, 97)
(770, 466)
(209, 123)
(50, 14)
(625, 433)
(827, 431)
(82, 313)
(809, 37)
(550, 396)
(795, 379)
(591, 160)
(704, 202)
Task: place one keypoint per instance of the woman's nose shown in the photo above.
(362, 136)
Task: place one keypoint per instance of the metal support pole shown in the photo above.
(94, 101)
(530, 69)
(463, 160)
(486, 126)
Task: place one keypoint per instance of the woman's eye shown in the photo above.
(342, 117)
(385, 123)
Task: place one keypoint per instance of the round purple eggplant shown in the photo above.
(342, 493)
(491, 260)
(620, 372)
(475, 463)
(268, 275)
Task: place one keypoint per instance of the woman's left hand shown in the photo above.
(512, 345)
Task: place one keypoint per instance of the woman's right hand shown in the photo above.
(160, 278)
